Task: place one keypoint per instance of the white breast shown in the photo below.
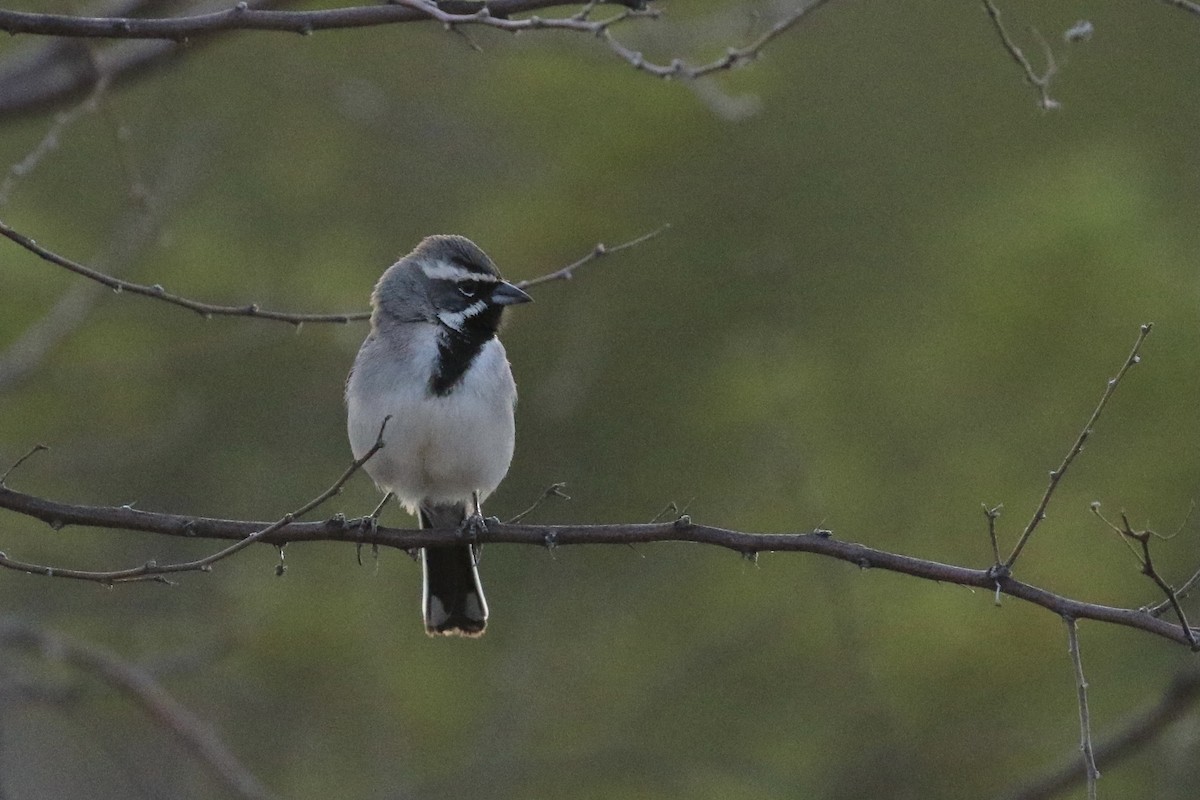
(436, 449)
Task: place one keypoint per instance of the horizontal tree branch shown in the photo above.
(498, 14)
(244, 16)
(818, 542)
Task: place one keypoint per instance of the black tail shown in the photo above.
(453, 603)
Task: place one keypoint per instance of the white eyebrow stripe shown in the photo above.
(445, 271)
(455, 319)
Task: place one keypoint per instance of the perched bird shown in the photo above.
(432, 363)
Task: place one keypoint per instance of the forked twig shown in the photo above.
(1056, 475)
(553, 490)
(1039, 82)
(1142, 554)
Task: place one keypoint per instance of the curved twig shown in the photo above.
(209, 310)
(137, 684)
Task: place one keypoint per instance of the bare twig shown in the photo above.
(553, 490)
(154, 571)
(1183, 591)
(1176, 701)
(253, 310)
(496, 14)
(1057, 475)
(1085, 720)
(599, 251)
(1039, 82)
(992, 514)
(37, 448)
(50, 140)
(733, 58)
(140, 687)
(1142, 554)
(159, 293)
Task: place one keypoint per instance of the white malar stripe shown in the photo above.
(445, 271)
(455, 319)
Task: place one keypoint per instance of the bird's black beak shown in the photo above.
(505, 294)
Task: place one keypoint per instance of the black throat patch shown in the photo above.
(457, 349)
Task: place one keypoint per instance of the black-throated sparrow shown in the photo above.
(432, 361)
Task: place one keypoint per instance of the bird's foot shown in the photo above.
(473, 527)
(367, 528)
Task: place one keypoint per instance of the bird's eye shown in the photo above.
(469, 290)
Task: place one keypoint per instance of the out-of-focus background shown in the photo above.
(891, 292)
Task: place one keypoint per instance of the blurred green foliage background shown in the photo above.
(891, 294)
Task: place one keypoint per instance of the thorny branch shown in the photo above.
(137, 684)
(338, 529)
(821, 542)
(209, 310)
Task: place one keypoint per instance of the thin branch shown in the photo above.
(1056, 475)
(159, 293)
(553, 490)
(733, 58)
(494, 14)
(153, 571)
(992, 515)
(1091, 774)
(339, 529)
(37, 448)
(1039, 82)
(253, 310)
(1183, 591)
(1185, 5)
(140, 687)
(599, 251)
(1140, 731)
(132, 234)
(50, 140)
